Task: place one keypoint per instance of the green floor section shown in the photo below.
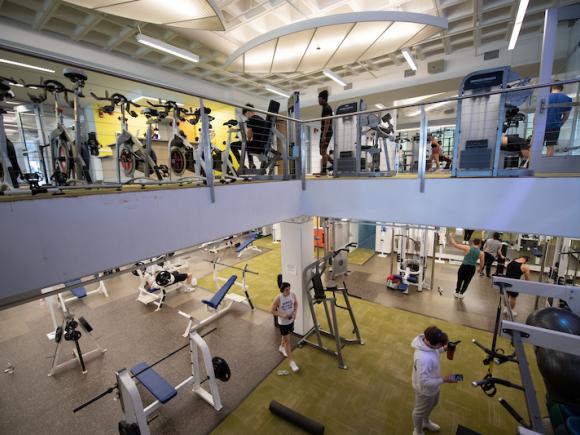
(360, 256)
(374, 396)
(262, 288)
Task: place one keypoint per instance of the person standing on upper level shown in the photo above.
(467, 268)
(559, 107)
(325, 131)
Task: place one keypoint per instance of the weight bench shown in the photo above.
(201, 370)
(157, 295)
(248, 244)
(214, 304)
(154, 383)
(80, 292)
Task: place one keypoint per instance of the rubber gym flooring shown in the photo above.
(373, 396)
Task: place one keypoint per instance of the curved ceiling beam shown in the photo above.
(331, 20)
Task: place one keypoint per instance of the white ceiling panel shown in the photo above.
(323, 45)
(290, 51)
(393, 39)
(357, 42)
(256, 59)
(149, 10)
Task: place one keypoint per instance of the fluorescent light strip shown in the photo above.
(166, 48)
(518, 23)
(333, 76)
(409, 58)
(25, 65)
(380, 106)
(277, 91)
(430, 107)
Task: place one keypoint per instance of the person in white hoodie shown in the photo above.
(427, 379)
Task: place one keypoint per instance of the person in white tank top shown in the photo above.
(284, 308)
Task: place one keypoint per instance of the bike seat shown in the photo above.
(148, 111)
(75, 75)
(231, 123)
(5, 85)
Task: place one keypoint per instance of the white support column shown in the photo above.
(297, 253)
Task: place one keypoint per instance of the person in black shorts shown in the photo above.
(515, 269)
(284, 308)
(514, 143)
(257, 134)
(325, 131)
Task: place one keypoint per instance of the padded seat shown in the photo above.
(221, 293)
(79, 292)
(246, 243)
(155, 384)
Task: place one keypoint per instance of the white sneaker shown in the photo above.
(460, 295)
(431, 427)
(456, 294)
(294, 367)
(283, 351)
(417, 433)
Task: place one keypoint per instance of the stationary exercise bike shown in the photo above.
(70, 157)
(9, 168)
(228, 172)
(131, 154)
(184, 156)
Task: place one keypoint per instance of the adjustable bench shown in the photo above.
(214, 303)
(162, 390)
(80, 292)
(216, 300)
(248, 244)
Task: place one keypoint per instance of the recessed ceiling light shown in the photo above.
(25, 65)
(333, 76)
(277, 91)
(166, 48)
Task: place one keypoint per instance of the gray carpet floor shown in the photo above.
(32, 402)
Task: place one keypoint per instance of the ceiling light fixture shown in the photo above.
(25, 65)
(333, 76)
(277, 91)
(409, 58)
(430, 107)
(167, 48)
(518, 23)
(380, 106)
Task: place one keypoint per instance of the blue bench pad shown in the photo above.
(159, 387)
(221, 293)
(246, 243)
(79, 292)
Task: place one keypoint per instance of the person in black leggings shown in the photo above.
(467, 268)
(515, 269)
(467, 235)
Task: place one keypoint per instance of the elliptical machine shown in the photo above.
(131, 155)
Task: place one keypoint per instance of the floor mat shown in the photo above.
(360, 256)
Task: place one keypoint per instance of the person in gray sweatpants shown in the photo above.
(427, 379)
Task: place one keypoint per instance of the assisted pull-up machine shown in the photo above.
(317, 293)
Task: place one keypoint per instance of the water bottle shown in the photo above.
(283, 372)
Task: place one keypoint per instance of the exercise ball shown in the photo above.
(556, 319)
(560, 370)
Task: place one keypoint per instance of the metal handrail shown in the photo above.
(458, 98)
